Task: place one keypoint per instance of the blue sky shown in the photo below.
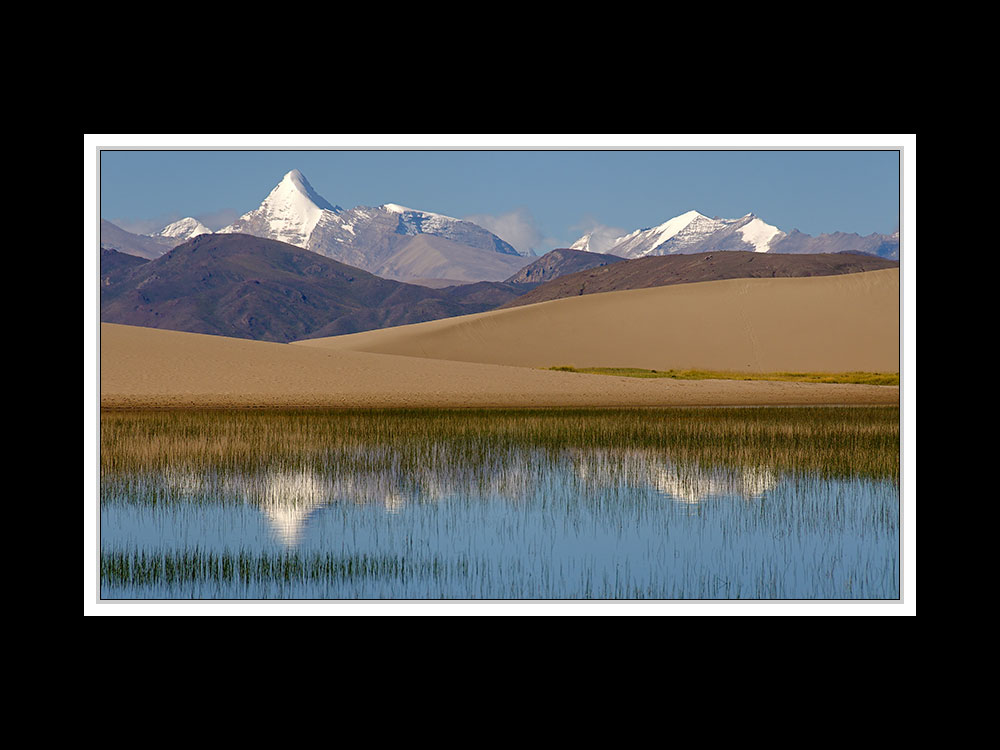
(534, 199)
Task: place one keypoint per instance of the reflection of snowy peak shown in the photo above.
(183, 229)
(689, 484)
(694, 487)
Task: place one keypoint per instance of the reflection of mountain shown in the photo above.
(686, 484)
(698, 486)
(288, 498)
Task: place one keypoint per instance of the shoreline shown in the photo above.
(887, 396)
(126, 407)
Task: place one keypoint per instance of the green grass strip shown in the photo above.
(861, 378)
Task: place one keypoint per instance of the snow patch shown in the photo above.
(759, 234)
(184, 229)
(670, 229)
(395, 208)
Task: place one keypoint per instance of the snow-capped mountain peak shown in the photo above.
(295, 187)
(693, 232)
(671, 228)
(183, 229)
(289, 213)
(672, 236)
(376, 239)
(583, 243)
(759, 234)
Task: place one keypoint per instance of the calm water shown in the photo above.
(529, 523)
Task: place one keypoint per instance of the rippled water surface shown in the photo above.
(665, 504)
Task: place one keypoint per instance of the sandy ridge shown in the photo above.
(813, 324)
(832, 323)
(145, 367)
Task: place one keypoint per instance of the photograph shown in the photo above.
(529, 375)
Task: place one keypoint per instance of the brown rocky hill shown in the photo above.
(255, 288)
(560, 262)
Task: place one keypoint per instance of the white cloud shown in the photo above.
(602, 236)
(517, 227)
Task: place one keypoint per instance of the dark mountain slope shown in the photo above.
(250, 287)
(115, 262)
(561, 262)
(663, 270)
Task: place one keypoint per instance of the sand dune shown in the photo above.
(147, 367)
(817, 324)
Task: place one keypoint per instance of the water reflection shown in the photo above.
(689, 484)
(290, 498)
(471, 519)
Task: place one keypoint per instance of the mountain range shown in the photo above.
(416, 246)
(251, 287)
(299, 266)
(692, 232)
(391, 241)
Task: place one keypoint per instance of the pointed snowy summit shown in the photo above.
(296, 182)
(289, 213)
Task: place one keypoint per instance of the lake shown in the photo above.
(741, 503)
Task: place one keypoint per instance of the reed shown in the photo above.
(137, 568)
(829, 441)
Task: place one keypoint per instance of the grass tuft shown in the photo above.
(857, 378)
